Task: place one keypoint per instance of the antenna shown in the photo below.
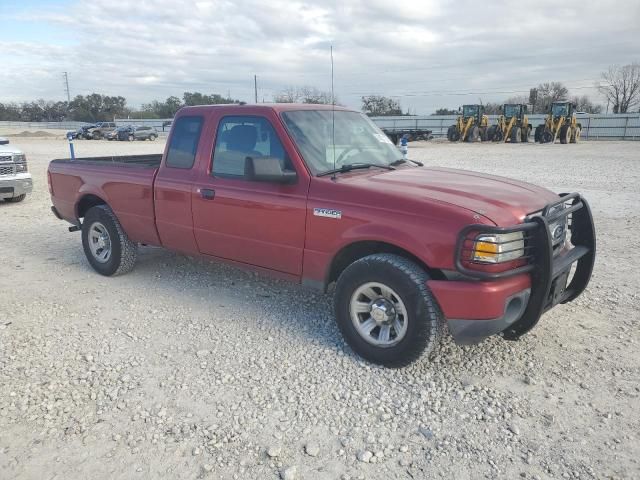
(66, 84)
(255, 88)
(333, 119)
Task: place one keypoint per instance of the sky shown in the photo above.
(427, 54)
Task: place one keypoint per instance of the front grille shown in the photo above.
(7, 170)
(5, 158)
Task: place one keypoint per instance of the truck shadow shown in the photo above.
(279, 306)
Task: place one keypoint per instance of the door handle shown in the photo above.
(207, 193)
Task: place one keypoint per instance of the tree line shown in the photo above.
(96, 107)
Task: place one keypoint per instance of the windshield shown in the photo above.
(469, 110)
(357, 139)
(560, 109)
(512, 111)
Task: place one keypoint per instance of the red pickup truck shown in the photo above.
(322, 197)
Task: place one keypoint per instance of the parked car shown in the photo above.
(145, 133)
(15, 179)
(80, 133)
(100, 130)
(121, 133)
(406, 249)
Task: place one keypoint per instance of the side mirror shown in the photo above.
(267, 169)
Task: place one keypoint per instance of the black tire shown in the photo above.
(16, 199)
(491, 133)
(452, 134)
(425, 322)
(565, 134)
(537, 135)
(96, 135)
(123, 251)
(516, 135)
(473, 134)
(152, 138)
(546, 137)
(525, 134)
(131, 138)
(484, 135)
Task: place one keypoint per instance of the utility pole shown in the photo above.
(66, 86)
(255, 87)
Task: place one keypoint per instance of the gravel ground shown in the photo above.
(188, 369)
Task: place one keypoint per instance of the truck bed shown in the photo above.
(124, 182)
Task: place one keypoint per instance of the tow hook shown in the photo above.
(75, 228)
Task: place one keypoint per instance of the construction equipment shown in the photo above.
(560, 123)
(471, 126)
(513, 125)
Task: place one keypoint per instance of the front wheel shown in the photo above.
(386, 311)
(16, 199)
(106, 245)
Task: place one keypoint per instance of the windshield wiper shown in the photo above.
(400, 161)
(353, 166)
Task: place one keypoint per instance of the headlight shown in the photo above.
(558, 229)
(19, 158)
(499, 247)
(21, 168)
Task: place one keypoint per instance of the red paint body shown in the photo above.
(272, 227)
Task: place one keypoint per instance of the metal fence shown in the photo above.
(594, 127)
(42, 125)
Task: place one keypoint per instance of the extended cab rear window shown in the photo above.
(184, 142)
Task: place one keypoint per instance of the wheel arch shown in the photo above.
(356, 250)
(87, 201)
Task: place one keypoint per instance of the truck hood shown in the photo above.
(8, 149)
(502, 200)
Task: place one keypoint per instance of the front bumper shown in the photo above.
(15, 185)
(507, 303)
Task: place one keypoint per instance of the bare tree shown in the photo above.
(621, 86)
(584, 104)
(303, 94)
(548, 93)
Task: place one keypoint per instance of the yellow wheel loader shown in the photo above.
(513, 125)
(471, 126)
(559, 124)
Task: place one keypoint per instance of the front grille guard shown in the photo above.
(541, 263)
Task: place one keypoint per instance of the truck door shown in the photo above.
(174, 183)
(257, 223)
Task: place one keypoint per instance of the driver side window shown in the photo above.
(239, 137)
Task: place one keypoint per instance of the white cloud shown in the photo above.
(427, 52)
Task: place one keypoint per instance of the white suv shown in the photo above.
(15, 180)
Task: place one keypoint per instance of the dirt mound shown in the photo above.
(38, 133)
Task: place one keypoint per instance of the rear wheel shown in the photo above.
(491, 133)
(473, 134)
(385, 310)
(576, 137)
(152, 138)
(17, 198)
(106, 245)
(537, 135)
(453, 134)
(484, 135)
(131, 138)
(546, 137)
(96, 135)
(516, 135)
(565, 134)
(525, 134)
